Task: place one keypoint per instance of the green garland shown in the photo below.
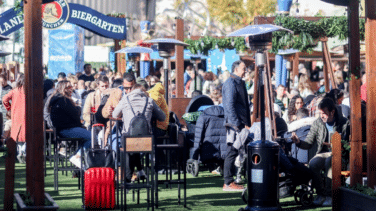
(307, 33)
(205, 44)
(305, 37)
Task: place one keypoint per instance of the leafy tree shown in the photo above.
(239, 13)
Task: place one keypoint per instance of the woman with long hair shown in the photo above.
(305, 86)
(295, 104)
(14, 102)
(65, 117)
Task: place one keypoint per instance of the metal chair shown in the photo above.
(138, 144)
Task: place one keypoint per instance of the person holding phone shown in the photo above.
(328, 123)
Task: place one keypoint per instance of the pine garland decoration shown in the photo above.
(305, 38)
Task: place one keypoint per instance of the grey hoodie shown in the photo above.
(137, 98)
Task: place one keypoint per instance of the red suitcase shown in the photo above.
(100, 188)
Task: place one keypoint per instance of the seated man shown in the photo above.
(322, 129)
(129, 105)
(114, 98)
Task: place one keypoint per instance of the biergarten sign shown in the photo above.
(58, 12)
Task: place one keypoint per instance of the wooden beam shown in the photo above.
(336, 169)
(269, 96)
(33, 87)
(295, 67)
(325, 69)
(328, 60)
(371, 87)
(179, 59)
(9, 174)
(356, 160)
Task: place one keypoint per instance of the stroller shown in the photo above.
(295, 181)
(199, 150)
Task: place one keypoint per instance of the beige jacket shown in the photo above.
(92, 100)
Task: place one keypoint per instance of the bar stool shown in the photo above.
(49, 135)
(72, 144)
(175, 142)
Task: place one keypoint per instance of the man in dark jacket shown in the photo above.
(330, 121)
(210, 136)
(237, 116)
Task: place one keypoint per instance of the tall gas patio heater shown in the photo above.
(263, 155)
(166, 49)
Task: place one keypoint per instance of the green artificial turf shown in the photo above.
(203, 193)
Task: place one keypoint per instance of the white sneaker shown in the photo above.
(76, 161)
(327, 202)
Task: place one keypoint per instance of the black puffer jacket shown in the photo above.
(64, 114)
(210, 136)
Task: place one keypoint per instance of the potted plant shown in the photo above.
(357, 198)
(24, 203)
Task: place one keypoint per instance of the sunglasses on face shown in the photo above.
(127, 88)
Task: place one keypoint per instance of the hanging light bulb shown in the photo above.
(297, 6)
(189, 35)
(216, 46)
(202, 43)
(232, 43)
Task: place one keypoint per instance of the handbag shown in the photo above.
(100, 158)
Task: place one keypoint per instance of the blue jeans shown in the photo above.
(78, 132)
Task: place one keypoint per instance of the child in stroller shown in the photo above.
(207, 134)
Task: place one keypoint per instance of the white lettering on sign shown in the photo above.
(97, 21)
(83, 14)
(13, 22)
(74, 14)
(61, 58)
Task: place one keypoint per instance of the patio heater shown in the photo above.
(166, 49)
(134, 55)
(263, 155)
(287, 54)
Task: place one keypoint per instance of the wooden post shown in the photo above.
(179, 103)
(371, 87)
(356, 122)
(295, 67)
(34, 100)
(9, 174)
(120, 63)
(179, 59)
(336, 169)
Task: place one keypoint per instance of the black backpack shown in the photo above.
(139, 124)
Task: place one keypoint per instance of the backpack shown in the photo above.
(139, 124)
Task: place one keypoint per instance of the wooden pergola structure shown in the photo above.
(34, 97)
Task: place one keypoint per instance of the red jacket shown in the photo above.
(18, 112)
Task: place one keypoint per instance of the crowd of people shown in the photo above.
(75, 102)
